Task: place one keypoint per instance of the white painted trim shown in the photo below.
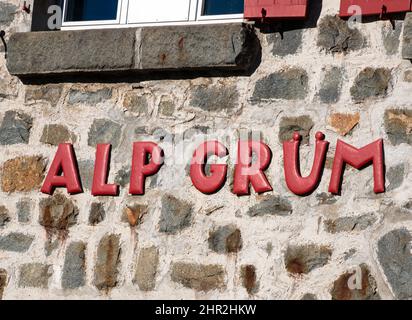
(134, 25)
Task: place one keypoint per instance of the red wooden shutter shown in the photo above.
(257, 9)
(374, 7)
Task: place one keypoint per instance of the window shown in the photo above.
(216, 7)
(88, 13)
(82, 12)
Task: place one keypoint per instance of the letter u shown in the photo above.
(296, 183)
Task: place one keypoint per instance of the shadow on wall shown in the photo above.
(314, 11)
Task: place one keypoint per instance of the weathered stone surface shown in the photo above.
(398, 125)
(54, 134)
(303, 259)
(3, 282)
(74, 269)
(371, 84)
(395, 176)
(86, 171)
(343, 123)
(407, 76)
(107, 263)
(50, 246)
(16, 242)
(395, 258)
(232, 46)
(167, 106)
(4, 216)
(331, 85)
(134, 214)
(7, 14)
(97, 213)
(24, 207)
(271, 205)
(363, 288)
(336, 36)
(23, 174)
(71, 51)
(136, 103)
(349, 253)
(349, 224)
(288, 84)
(248, 276)
(57, 214)
(35, 275)
(391, 36)
(194, 131)
(225, 239)
(309, 296)
(146, 268)
(15, 128)
(285, 43)
(288, 125)
(123, 176)
(215, 98)
(326, 198)
(90, 97)
(50, 93)
(219, 46)
(407, 37)
(104, 131)
(198, 277)
(175, 214)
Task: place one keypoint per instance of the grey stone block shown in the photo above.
(36, 53)
(223, 46)
(407, 37)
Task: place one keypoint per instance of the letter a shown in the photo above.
(63, 171)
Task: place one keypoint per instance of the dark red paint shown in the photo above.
(294, 180)
(275, 9)
(374, 7)
(63, 171)
(216, 179)
(358, 158)
(246, 172)
(101, 172)
(141, 167)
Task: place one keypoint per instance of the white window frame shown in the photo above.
(195, 17)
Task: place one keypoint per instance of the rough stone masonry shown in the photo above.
(352, 84)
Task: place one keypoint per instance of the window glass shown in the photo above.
(91, 10)
(217, 7)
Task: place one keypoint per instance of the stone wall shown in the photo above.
(175, 242)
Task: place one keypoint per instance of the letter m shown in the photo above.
(358, 158)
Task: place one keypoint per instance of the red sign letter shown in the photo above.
(63, 171)
(101, 172)
(247, 172)
(141, 167)
(212, 183)
(294, 180)
(358, 158)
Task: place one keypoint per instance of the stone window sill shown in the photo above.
(203, 47)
